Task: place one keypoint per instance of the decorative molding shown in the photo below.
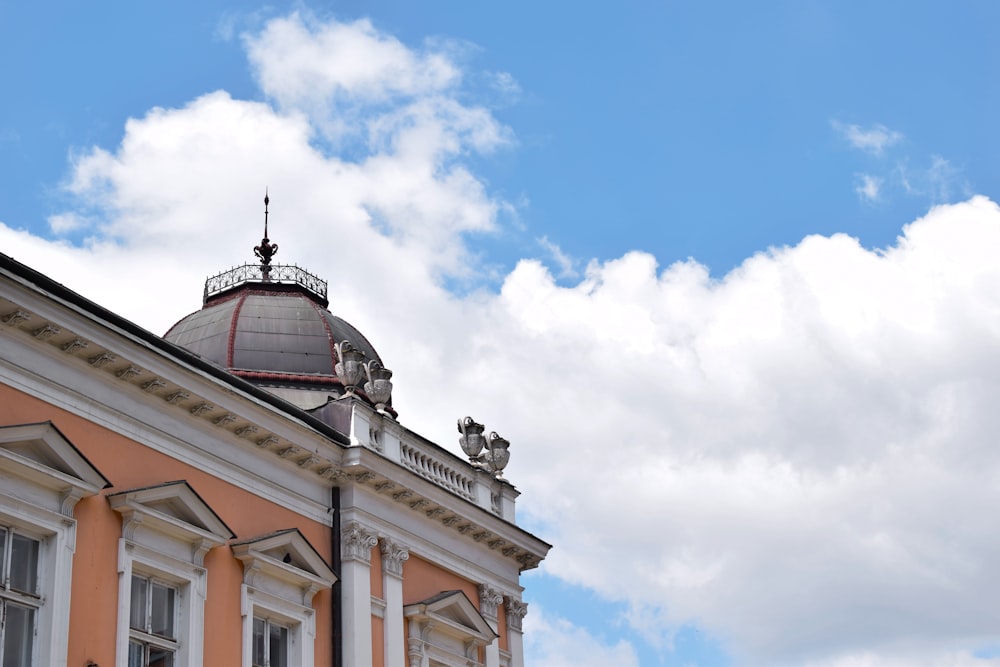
(482, 535)
(393, 555)
(495, 544)
(451, 520)
(128, 372)
(153, 385)
(309, 461)
(45, 332)
(15, 317)
(400, 496)
(467, 528)
(202, 408)
(385, 486)
(101, 360)
(509, 551)
(489, 599)
(364, 477)
(419, 503)
(435, 512)
(222, 420)
(245, 430)
(356, 542)
(289, 452)
(266, 441)
(74, 345)
(176, 397)
(516, 611)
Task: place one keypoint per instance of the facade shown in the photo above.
(238, 492)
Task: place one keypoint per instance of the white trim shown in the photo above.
(39, 499)
(191, 582)
(299, 619)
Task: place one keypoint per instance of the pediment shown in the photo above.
(174, 508)
(454, 610)
(43, 454)
(285, 555)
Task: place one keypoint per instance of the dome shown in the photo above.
(270, 325)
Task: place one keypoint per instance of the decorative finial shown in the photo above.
(265, 251)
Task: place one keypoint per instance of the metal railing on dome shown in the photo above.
(256, 273)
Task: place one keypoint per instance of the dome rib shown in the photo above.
(233, 326)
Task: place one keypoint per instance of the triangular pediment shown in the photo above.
(174, 508)
(42, 453)
(285, 555)
(454, 610)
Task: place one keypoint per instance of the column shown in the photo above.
(393, 555)
(489, 599)
(356, 590)
(516, 611)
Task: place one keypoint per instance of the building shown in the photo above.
(238, 492)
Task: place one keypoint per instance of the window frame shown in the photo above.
(160, 546)
(44, 476)
(32, 601)
(145, 636)
(282, 591)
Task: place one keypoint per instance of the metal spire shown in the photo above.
(266, 249)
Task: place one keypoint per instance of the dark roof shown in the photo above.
(256, 330)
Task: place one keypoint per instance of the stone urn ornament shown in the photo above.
(378, 388)
(471, 440)
(350, 366)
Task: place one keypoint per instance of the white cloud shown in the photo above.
(561, 259)
(869, 187)
(551, 641)
(798, 457)
(873, 140)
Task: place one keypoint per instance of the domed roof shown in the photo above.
(270, 325)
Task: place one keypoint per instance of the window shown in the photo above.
(19, 599)
(282, 573)
(152, 623)
(166, 531)
(270, 643)
(44, 477)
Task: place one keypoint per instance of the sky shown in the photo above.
(723, 273)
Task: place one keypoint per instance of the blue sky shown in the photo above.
(609, 208)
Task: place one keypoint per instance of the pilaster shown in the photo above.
(489, 599)
(355, 581)
(516, 611)
(393, 555)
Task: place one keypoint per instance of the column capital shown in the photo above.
(356, 542)
(393, 555)
(516, 611)
(489, 599)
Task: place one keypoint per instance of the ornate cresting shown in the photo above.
(265, 272)
(497, 453)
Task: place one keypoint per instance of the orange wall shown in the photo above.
(422, 579)
(128, 464)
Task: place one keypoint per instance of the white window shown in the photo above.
(152, 623)
(282, 573)
(270, 643)
(166, 531)
(42, 476)
(19, 596)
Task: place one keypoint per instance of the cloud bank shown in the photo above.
(798, 457)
